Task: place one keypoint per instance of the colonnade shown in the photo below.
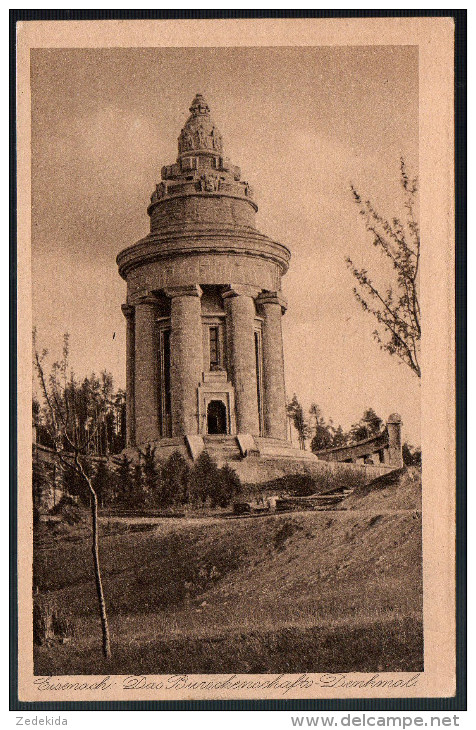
(186, 362)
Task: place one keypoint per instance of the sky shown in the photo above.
(302, 123)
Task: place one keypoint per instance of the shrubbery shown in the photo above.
(209, 484)
(305, 484)
(71, 510)
(410, 455)
(297, 485)
(151, 484)
(50, 623)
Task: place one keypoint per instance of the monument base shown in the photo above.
(254, 459)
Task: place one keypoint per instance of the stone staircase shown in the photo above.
(223, 448)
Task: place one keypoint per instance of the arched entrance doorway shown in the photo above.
(216, 417)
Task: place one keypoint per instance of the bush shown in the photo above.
(300, 485)
(175, 480)
(70, 510)
(303, 485)
(73, 484)
(296, 485)
(209, 483)
(124, 484)
(150, 477)
(103, 483)
(410, 455)
(228, 486)
(139, 497)
(203, 475)
(348, 478)
(150, 471)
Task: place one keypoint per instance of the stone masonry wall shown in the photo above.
(258, 471)
(204, 268)
(197, 209)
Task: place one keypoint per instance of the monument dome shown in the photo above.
(200, 132)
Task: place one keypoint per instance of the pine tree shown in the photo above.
(152, 483)
(339, 438)
(138, 496)
(296, 413)
(204, 478)
(175, 479)
(103, 483)
(322, 438)
(369, 425)
(124, 481)
(229, 487)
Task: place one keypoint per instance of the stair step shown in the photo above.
(225, 451)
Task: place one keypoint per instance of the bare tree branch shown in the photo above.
(64, 435)
(399, 317)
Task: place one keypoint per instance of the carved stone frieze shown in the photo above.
(200, 132)
(209, 183)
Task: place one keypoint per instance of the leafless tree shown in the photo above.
(71, 450)
(397, 309)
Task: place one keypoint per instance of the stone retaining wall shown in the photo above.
(260, 470)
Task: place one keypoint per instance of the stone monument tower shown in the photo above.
(204, 305)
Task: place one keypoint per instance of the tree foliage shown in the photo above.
(369, 425)
(175, 480)
(124, 491)
(295, 412)
(96, 413)
(148, 483)
(323, 436)
(227, 487)
(323, 433)
(150, 471)
(411, 456)
(397, 308)
(210, 484)
(326, 436)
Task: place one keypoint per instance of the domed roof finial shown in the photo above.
(201, 167)
(199, 106)
(200, 135)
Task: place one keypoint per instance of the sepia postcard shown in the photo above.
(236, 359)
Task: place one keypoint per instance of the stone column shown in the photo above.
(274, 397)
(186, 355)
(128, 313)
(240, 324)
(146, 371)
(394, 428)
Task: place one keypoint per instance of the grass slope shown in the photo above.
(399, 490)
(314, 591)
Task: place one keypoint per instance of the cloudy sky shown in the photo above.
(302, 123)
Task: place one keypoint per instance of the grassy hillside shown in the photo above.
(399, 490)
(313, 591)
